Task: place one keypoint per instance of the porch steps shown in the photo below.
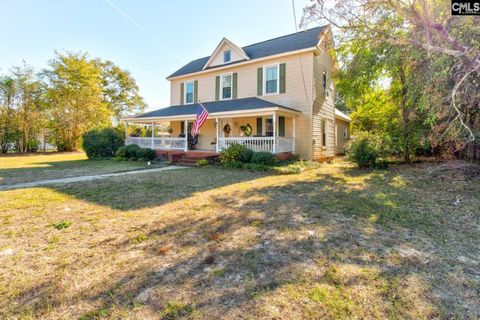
(190, 159)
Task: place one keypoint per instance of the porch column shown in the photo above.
(274, 131)
(293, 134)
(217, 124)
(186, 135)
(152, 144)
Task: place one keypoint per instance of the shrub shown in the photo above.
(367, 150)
(232, 154)
(146, 154)
(245, 155)
(265, 158)
(102, 143)
(233, 164)
(256, 167)
(202, 163)
(127, 152)
(131, 151)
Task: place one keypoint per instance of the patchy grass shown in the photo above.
(332, 242)
(29, 168)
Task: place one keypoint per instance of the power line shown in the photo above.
(294, 15)
(145, 31)
(300, 55)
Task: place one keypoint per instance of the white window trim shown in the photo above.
(185, 92)
(231, 86)
(225, 51)
(277, 65)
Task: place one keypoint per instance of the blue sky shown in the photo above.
(173, 31)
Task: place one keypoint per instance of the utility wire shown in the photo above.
(300, 55)
(145, 31)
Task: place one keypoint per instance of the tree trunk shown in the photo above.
(405, 116)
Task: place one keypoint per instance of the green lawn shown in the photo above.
(208, 243)
(28, 168)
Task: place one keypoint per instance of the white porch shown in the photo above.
(272, 132)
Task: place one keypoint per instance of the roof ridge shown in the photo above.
(286, 35)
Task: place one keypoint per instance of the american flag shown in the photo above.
(202, 115)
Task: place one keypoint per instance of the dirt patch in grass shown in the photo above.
(334, 242)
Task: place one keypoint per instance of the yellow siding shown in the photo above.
(298, 93)
(323, 107)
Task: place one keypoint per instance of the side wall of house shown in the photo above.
(298, 93)
(323, 107)
(341, 127)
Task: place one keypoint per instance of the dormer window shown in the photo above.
(227, 56)
(189, 87)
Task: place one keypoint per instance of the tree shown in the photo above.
(120, 91)
(74, 94)
(434, 60)
(9, 132)
(30, 114)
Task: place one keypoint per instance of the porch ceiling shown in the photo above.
(216, 109)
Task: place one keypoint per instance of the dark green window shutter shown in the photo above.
(182, 127)
(234, 86)
(181, 92)
(217, 88)
(259, 126)
(195, 91)
(259, 81)
(281, 126)
(282, 77)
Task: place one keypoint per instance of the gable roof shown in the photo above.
(213, 107)
(292, 42)
(217, 49)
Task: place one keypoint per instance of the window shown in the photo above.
(271, 79)
(345, 132)
(226, 86)
(324, 133)
(269, 127)
(227, 56)
(324, 83)
(189, 87)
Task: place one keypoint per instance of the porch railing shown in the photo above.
(269, 144)
(158, 143)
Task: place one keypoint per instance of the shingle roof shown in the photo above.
(213, 107)
(295, 41)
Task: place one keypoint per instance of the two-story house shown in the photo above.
(276, 96)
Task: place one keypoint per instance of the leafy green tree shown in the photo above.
(30, 108)
(120, 91)
(74, 95)
(9, 131)
(432, 63)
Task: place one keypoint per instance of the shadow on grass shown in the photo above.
(252, 243)
(64, 169)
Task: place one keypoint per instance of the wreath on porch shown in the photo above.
(226, 129)
(247, 129)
